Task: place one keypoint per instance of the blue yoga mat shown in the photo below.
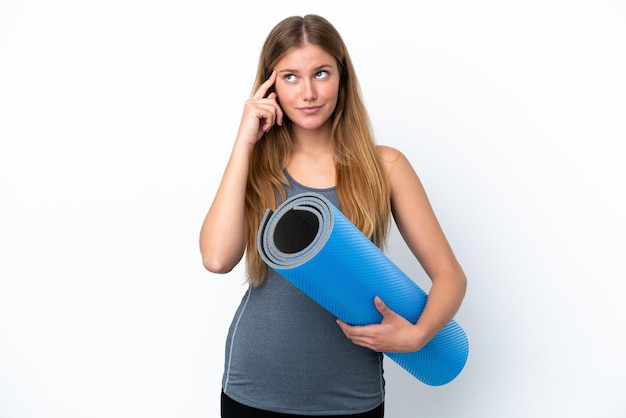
(309, 242)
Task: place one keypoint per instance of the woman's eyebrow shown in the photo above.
(292, 70)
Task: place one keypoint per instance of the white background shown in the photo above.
(116, 120)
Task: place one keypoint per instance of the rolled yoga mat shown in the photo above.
(309, 242)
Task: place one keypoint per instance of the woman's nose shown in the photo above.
(308, 91)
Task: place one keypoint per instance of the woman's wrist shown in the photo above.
(419, 337)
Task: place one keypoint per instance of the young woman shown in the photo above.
(306, 128)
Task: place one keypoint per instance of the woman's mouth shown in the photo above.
(310, 110)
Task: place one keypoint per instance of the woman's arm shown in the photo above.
(422, 232)
(223, 234)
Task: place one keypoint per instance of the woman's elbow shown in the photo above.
(462, 283)
(217, 264)
(215, 267)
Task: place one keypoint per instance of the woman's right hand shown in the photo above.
(260, 113)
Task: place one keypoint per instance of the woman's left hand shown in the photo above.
(393, 334)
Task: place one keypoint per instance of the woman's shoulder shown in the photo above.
(389, 155)
(395, 163)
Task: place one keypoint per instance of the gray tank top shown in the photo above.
(285, 353)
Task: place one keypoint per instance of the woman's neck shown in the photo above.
(312, 138)
(312, 161)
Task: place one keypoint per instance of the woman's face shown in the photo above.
(307, 86)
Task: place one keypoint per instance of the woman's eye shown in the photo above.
(321, 74)
(290, 77)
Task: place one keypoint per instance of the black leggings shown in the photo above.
(233, 409)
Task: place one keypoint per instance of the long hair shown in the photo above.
(361, 182)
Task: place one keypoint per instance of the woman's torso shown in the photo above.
(285, 353)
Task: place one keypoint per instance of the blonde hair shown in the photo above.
(361, 182)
